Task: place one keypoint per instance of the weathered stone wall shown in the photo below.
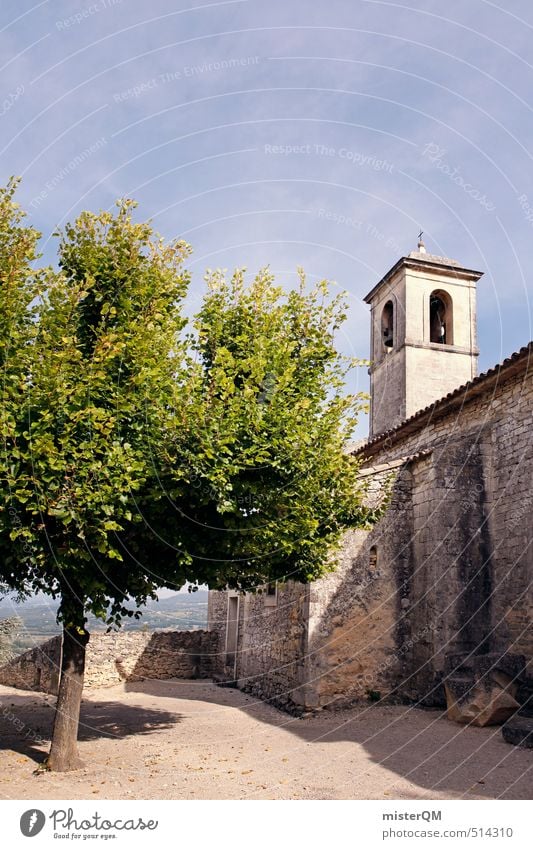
(476, 503)
(217, 615)
(123, 656)
(446, 573)
(270, 656)
(353, 623)
(357, 615)
(329, 641)
(389, 631)
(510, 449)
(450, 598)
(36, 669)
(273, 644)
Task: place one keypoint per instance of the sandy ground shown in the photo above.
(194, 740)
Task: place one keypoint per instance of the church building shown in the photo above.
(434, 605)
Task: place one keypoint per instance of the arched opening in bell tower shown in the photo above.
(440, 318)
(387, 326)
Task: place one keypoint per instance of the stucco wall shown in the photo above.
(433, 370)
(417, 372)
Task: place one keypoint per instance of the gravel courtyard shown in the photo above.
(194, 740)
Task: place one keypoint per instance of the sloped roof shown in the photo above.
(517, 362)
(393, 464)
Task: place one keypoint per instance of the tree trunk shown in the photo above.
(64, 750)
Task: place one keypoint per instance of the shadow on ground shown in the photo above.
(419, 745)
(200, 735)
(26, 722)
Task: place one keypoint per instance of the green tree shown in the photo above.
(90, 359)
(261, 476)
(135, 456)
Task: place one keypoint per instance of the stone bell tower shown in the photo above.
(423, 335)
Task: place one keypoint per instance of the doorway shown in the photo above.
(232, 630)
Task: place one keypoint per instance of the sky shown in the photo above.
(287, 133)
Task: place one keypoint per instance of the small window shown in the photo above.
(271, 594)
(373, 558)
(440, 318)
(387, 326)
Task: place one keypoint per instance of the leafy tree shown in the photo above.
(90, 358)
(264, 480)
(136, 457)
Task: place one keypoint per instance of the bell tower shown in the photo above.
(423, 335)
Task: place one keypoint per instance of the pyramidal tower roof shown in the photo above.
(422, 261)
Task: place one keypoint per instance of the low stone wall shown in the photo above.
(36, 669)
(116, 657)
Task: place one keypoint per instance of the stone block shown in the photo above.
(519, 732)
(480, 702)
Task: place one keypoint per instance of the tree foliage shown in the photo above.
(264, 482)
(137, 454)
(88, 399)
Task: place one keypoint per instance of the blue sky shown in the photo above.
(321, 134)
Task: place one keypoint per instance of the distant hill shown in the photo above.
(182, 611)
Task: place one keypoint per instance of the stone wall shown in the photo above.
(357, 616)
(469, 561)
(36, 669)
(446, 574)
(478, 501)
(217, 615)
(270, 656)
(273, 645)
(388, 389)
(330, 641)
(115, 657)
(352, 630)
(450, 594)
